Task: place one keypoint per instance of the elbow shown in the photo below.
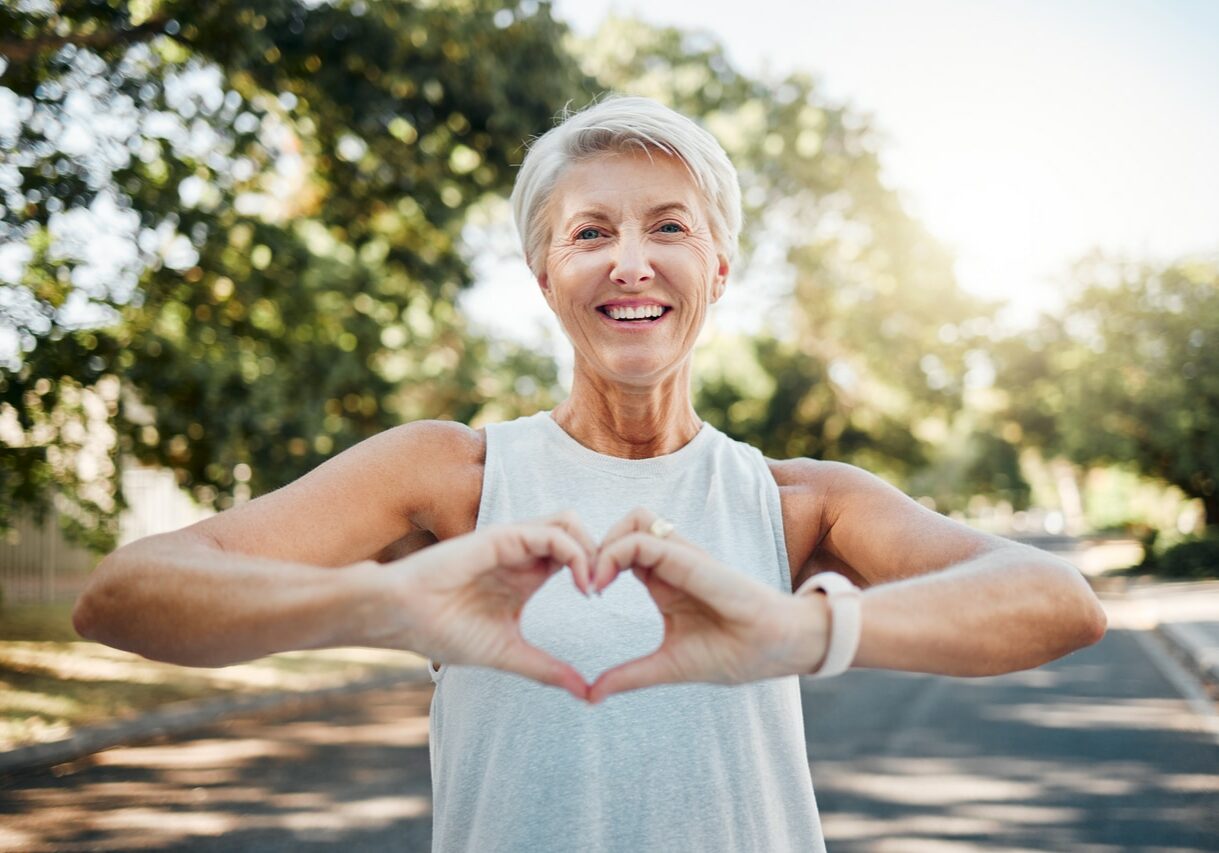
(82, 617)
(94, 613)
(1069, 615)
(1090, 619)
(1094, 623)
(85, 615)
(1080, 613)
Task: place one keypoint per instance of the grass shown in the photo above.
(51, 680)
(38, 622)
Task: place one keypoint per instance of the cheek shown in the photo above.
(570, 259)
(569, 274)
(699, 261)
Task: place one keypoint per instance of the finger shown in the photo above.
(646, 671)
(618, 556)
(638, 520)
(528, 660)
(518, 544)
(570, 522)
(680, 565)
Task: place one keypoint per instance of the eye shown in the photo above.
(588, 234)
(671, 228)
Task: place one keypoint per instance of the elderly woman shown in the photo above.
(733, 575)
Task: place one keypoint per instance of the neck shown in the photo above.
(629, 421)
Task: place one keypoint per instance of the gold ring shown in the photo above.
(661, 528)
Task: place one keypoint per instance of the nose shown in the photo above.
(631, 267)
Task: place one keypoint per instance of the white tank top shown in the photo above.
(518, 766)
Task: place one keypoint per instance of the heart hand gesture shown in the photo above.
(721, 626)
(463, 597)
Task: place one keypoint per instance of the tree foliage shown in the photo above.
(870, 333)
(1127, 373)
(280, 187)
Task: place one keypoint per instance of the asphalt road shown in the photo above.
(1095, 752)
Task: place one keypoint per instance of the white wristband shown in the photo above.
(843, 598)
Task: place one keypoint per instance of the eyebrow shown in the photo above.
(675, 206)
(655, 210)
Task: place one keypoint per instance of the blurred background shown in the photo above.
(981, 249)
(981, 258)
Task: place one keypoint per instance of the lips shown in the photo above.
(630, 303)
(633, 321)
(635, 311)
(625, 315)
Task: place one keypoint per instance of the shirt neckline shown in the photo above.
(648, 467)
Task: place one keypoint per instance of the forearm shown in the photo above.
(1006, 610)
(184, 602)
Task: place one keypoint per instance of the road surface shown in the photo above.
(1097, 752)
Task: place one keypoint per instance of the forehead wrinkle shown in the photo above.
(601, 212)
(595, 212)
(675, 182)
(669, 206)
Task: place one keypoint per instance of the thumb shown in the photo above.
(528, 660)
(646, 671)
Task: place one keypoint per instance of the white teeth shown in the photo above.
(638, 313)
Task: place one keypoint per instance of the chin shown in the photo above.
(637, 371)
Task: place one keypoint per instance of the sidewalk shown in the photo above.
(1184, 614)
(82, 697)
(185, 716)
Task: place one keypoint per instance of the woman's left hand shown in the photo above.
(721, 626)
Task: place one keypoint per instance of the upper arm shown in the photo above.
(390, 489)
(870, 530)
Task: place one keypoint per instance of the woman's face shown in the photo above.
(630, 235)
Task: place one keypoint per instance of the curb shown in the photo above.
(181, 717)
(1194, 647)
(1198, 651)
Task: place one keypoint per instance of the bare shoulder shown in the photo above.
(835, 487)
(805, 474)
(390, 494)
(816, 484)
(448, 459)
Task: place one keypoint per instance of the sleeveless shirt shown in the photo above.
(517, 765)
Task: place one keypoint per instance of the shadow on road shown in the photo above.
(351, 779)
(1095, 751)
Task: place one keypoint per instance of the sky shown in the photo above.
(1023, 134)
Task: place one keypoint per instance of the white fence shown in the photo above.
(37, 564)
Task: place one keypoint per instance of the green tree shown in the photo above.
(870, 334)
(281, 189)
(1126, 373)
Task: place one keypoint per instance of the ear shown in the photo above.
(720, 282)
(544, 286)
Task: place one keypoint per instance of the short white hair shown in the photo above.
(612, 125)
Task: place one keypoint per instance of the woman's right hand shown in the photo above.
(460, 601)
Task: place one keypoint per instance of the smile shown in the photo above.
(641, 315)
(634, 318)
